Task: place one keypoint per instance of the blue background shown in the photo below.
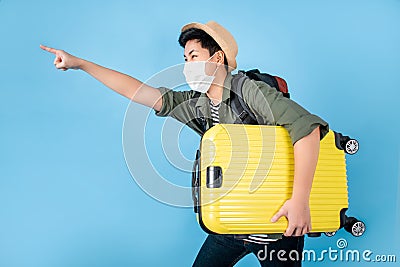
(66, 195)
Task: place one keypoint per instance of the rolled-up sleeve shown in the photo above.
(175, 104)
(273, 108)
(167, 102)
(172, 101)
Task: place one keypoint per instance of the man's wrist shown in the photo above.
(301, 197)
(80, 64)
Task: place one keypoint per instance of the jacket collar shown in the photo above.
(203, 98)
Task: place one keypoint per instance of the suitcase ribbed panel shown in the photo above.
(257, 178)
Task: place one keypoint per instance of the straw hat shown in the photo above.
(223, 38)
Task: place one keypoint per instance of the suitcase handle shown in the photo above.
(214, 177)
(196, 182)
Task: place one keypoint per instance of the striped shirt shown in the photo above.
(258, 238)
(214, 112)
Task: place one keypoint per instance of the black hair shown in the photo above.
(204, 38)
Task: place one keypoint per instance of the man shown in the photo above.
(210, 54)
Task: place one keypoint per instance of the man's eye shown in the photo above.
(193, 56)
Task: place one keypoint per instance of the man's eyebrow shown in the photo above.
(191, 51)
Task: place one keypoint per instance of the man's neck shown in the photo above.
(217, 88)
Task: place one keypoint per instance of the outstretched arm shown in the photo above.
(121, 83)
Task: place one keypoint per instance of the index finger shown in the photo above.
(48, 49)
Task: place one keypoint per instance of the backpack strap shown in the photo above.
(238, 105)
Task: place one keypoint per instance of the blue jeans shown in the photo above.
(225, 250)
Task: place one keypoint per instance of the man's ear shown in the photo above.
(220, 57)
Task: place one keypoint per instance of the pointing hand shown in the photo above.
(63, 60)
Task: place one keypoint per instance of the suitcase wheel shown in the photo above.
(354, 226)
(330, 234)
(351, 146)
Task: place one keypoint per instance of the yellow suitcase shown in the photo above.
(244, 173)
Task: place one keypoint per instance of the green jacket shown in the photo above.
(269, 106)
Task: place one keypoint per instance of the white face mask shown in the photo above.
(196, 77)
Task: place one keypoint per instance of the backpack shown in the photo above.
(246, 116)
